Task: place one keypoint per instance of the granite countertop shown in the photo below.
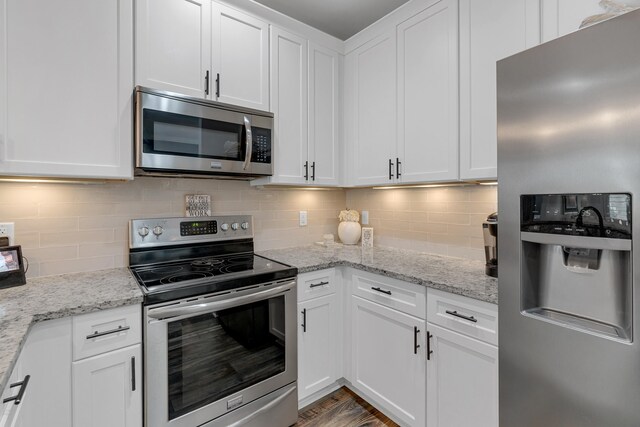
(454, 275)
(53, 297)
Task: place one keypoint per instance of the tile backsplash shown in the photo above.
(67, 228)
(442, 220)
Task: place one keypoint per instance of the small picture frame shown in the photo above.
(367, 237)
(12, 272)
(197, 205)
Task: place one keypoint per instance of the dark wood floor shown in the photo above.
(342, 408)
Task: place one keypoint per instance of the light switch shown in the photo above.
(303, 218)
(365, 217)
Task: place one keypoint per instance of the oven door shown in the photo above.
(189, 137)
(206, 357)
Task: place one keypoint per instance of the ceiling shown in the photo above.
(340, 18)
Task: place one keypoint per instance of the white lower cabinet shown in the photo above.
(462, 367)
(46, 394)
(107, 389)
(319, 333)
(98, 385)
(388, 360)
(318, 353)
(9, 410)
(462, 381)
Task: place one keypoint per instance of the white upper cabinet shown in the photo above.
(173, 45)
(489, 30)
(561, 17)
(65, 88)
(401, 97)
(305, 80)
(324, 111)
(240, 58)
(204, 49)
(370, 93)
(289, 105)
(428, 95)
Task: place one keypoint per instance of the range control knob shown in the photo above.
(157, 230)
(245, 225)
(224, 227)
(235, 226)
(143, 231)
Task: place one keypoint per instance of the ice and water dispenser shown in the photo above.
(576, 261)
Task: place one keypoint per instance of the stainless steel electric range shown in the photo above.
(219, 324)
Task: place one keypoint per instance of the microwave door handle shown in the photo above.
(249, 142)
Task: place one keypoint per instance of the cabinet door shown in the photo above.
(65, 88)
(324, 140)
(428, 94)
(489, 31)
(561, 17)
(240, 54)
(371, 93)
(46, 358)
(172, 45)
(318, 344)
(9, 411)
(462, 381)
(289, 105)
(386, 365)
(107, 389)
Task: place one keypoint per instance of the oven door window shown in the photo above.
(181, 135)
(214, 355)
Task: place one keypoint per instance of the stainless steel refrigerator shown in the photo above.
(569, 204)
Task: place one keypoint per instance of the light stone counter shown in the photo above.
(53, 297)
(454, 275)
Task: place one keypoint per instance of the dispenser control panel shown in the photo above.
(588, 214)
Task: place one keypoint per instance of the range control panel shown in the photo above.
(176, 231)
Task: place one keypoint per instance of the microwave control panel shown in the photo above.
(261, 145)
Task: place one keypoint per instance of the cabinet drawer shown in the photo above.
(316, 284)
(403, 296)
(477, 319)
(106, 330)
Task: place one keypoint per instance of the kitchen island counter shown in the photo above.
(54, 297)
(454, 275)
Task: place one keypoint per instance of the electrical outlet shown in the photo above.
(365, 218)
(303, 218)
(6, 230)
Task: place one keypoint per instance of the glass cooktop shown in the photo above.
(166, 275)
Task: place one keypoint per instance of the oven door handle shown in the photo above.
(199, 307)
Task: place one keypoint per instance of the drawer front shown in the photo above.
(477, 319)
(106, 330)
(316, 284)
(403, 296)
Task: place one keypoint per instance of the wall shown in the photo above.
(443, 220)
(82, 227)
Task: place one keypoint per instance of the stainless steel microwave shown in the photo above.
(183, 136)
